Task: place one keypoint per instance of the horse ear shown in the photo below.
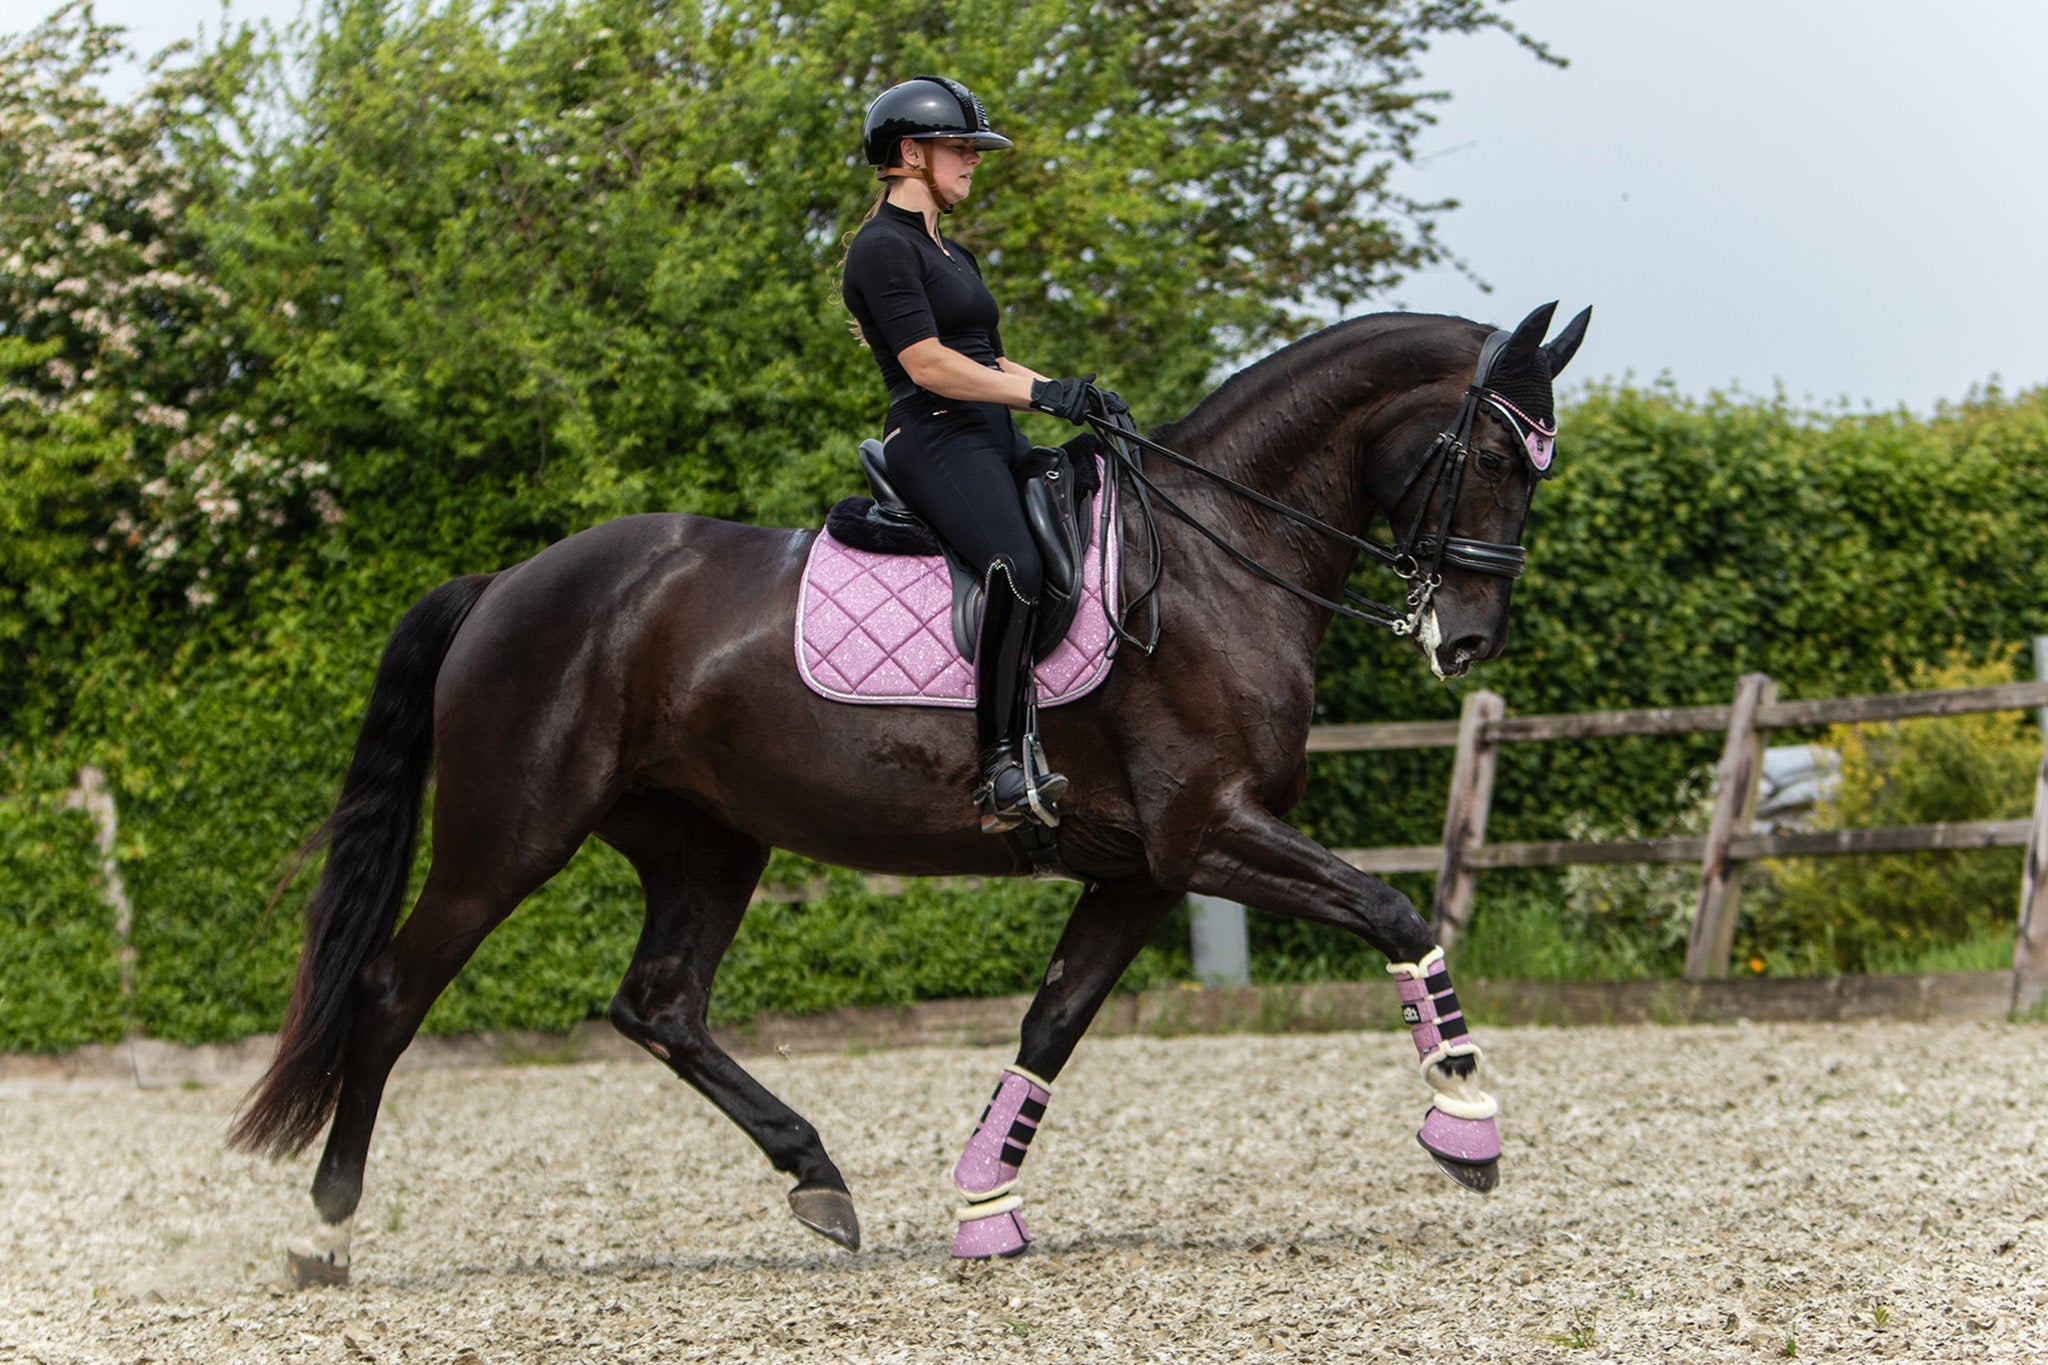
(1529, 335)
(1566, 344)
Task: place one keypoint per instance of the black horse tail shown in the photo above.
(370, 839)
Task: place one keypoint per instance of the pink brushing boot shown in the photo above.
(1458, 1130)
(990, 1224)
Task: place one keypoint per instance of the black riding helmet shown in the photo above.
(925, 107)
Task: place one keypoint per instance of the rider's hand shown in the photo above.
(1113, 406)
(1073, 399)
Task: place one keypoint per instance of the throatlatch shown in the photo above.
(1458, 1130)
(990, 1221)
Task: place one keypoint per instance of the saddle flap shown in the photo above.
(1054, 509)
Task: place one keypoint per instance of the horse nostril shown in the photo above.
(1468, 649)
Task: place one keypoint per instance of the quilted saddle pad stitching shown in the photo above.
(929, 579)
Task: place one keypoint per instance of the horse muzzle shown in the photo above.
(1454, 657)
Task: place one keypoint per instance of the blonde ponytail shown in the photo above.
(852, 322)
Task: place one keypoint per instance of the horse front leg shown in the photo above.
(1252, 856)
(1109, 924)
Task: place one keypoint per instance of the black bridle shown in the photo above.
(1419, 556)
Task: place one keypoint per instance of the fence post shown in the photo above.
(2030, 946)
(1465, 814)
(1735, 786)
(95, 798)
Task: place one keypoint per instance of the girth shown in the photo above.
(1059, 501)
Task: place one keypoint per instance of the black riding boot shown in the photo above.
(1002, 711)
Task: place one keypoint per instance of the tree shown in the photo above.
(123, 446)
(553, 262)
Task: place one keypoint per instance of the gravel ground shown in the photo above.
(1865, 1192)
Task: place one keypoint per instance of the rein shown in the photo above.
(1419, 557)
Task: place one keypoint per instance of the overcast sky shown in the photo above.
(1848, 198)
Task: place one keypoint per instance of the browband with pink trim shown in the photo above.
(1538, 439)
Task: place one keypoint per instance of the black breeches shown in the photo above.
(957, 463)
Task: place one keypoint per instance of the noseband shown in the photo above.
(1419, 556)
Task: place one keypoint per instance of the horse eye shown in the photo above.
(1492, 462)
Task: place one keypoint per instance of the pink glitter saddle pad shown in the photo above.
(877, 629)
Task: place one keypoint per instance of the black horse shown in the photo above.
(636, 682)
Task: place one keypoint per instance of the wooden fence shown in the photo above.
(1464, 853)
(1728, 843)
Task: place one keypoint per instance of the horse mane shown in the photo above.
(1434, 343)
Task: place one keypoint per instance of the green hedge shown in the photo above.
(1760, 522)
(1869, 914)
(1684, 543)
(59, 963)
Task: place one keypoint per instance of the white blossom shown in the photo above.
(95, 256)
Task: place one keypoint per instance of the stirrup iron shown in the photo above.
(1042, 798)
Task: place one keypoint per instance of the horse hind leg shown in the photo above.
(457, 909)
(699, 876)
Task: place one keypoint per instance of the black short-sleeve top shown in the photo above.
(902, 287)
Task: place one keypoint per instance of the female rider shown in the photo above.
(921, 306)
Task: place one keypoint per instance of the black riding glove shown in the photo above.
(1073, 399)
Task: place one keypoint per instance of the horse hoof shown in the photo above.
(1012, 1254)
(1478, 1176)
(991, 1236)
(307, 1269)
(1008, 1254)
(827, 1212)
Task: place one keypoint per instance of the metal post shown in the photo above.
(2041, 674)
(1222, 949)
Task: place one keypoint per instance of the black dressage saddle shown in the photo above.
(1059, 488)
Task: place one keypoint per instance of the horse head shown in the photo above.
(1457, 513)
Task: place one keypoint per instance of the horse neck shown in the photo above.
(1313, 430)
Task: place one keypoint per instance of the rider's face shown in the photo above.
(952, 160)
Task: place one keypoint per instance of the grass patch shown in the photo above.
(1578, 1337)
(1987, 949)
(848, 945)
(1527, 939)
